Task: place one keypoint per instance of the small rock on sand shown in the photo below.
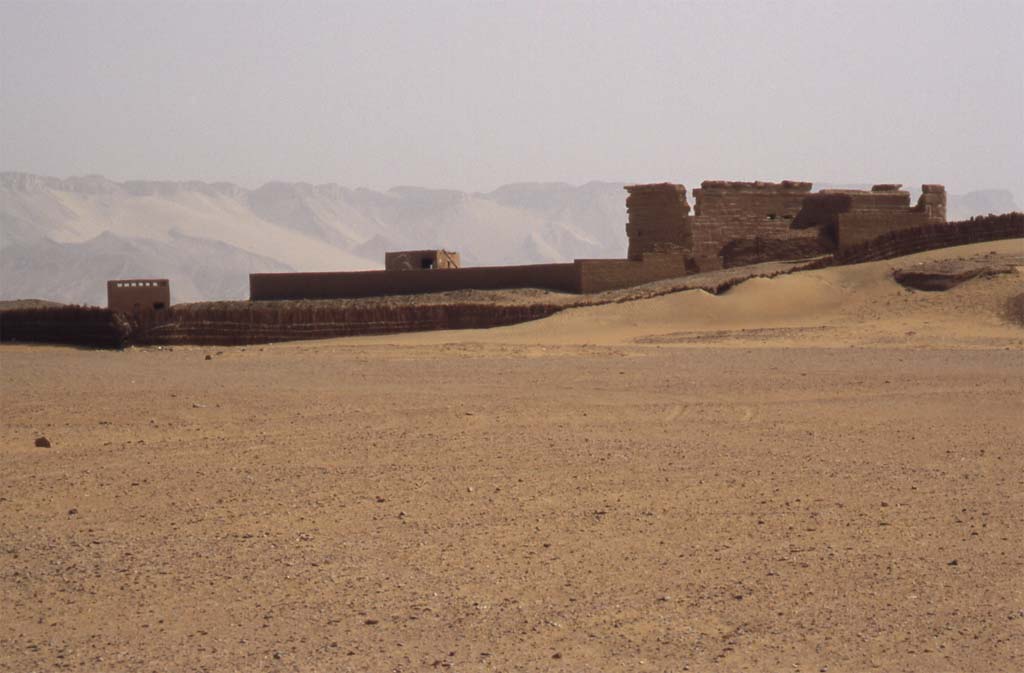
(42, 442)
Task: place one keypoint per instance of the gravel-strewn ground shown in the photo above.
(770, 497)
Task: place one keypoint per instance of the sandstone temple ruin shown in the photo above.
(731, 224)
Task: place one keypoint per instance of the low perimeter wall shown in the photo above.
(237, 323)
(357, 284)
(933, 237)
(581, 276)
(75, 325)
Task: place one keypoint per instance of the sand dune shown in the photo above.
(852, 304)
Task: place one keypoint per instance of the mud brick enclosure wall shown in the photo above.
(732, 224)
(355, 284)
(735, 211)
(659, 220)
(851, 217)
(238, 323)
(78, 325)
(934, 236)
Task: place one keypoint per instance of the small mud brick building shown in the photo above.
(137, 295)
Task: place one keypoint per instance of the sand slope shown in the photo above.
(856, 304)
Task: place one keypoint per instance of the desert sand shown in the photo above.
(820, 471)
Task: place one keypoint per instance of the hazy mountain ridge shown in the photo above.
(62, 239)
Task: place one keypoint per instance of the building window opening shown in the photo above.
(158, 305)
(426, 263)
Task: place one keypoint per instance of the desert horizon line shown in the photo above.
(911, 186)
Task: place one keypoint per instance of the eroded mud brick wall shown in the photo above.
(885, 209)
(726, 211)
(659, 220)
(934, 236)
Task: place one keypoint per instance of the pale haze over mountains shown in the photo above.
(188, 107)
(62, 239)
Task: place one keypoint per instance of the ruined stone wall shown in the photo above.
(887, 209)
(659, 220)
(747, 251)
(728, 211)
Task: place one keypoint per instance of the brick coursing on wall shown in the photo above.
(658, 220)
(727, 211)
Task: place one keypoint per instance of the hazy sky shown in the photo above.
(471, 95)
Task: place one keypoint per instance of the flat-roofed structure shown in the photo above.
(137, 295)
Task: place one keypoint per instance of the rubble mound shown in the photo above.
(942, 275)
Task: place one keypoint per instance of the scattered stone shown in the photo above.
(469, 489)
(664, 599)
(556, 655)
(953, 563)
(42, 442)
(372, 622)
(209, 357)
(73, 511)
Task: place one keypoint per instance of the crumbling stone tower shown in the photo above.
(932, 203)
(659, 220)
